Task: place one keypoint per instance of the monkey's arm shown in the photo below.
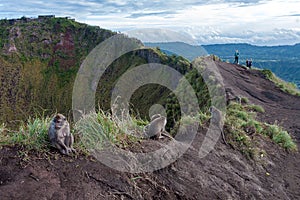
(60, 143)
(52, 134)
(69, 141)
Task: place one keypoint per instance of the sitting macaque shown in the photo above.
(60, 136)
(156, 128)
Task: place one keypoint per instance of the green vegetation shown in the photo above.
(33, 135)
(255, 108)
(242, 128)
(48, 54)
(91, 132)
(97, 129)
(290, 88)
(280, 136)
(244, 100)
(204, 117)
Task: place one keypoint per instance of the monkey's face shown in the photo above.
(59, 120)
(211, 109)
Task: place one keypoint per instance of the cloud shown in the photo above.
(161, 35)
(143, 14)
(293, 15)
(206, 21)
(272, 37)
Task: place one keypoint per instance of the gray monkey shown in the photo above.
(156, 128)
(60, 136)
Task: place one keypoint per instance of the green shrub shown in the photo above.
(240, 122)
(33, 135)
(280, 136)
(4, 137)
(256, 108)
(95, 129)
(268, 73)
(244, 100)
(100, 129)
(91, 132)
(204, 117)
(287, 87)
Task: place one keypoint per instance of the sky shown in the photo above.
(266, 22)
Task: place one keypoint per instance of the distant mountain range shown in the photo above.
(284, 60)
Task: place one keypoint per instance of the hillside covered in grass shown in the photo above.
(39, 60)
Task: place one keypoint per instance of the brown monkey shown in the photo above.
(60, 136)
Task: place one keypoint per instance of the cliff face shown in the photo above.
(39, 59)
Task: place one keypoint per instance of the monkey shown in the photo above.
(230, 96)
(217, 119)
(238, 99)
(153, 117)
(156, 128)
(60, 136)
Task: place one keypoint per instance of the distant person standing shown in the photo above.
(236, 57)
(249, 63)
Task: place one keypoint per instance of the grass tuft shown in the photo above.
(287, 87)
(255, 108)
(93, 131)
(33, 135)
(280, 136)
(244, 100)
(96, 130)
(241, 126)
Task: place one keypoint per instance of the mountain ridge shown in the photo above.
(283, 60)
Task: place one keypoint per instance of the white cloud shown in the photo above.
(161, 35)
(216, 21)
